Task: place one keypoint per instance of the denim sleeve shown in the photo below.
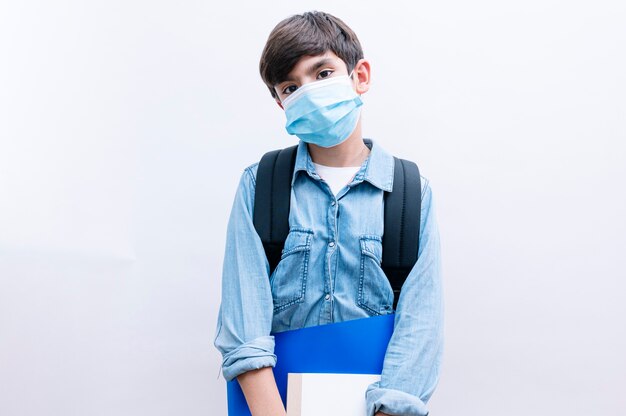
(413, 358)
(245, 314)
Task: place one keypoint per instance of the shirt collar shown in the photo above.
(376, 169)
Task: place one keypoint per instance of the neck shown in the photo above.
(350, 152)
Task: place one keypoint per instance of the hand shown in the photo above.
(381, 414)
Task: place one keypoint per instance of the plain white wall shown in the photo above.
(124, 127)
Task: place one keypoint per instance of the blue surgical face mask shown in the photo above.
(323, 112)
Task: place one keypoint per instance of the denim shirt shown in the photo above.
(330, 272)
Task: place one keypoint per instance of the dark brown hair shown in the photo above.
(311, 33)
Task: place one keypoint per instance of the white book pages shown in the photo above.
(315, 394)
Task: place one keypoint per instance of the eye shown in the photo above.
(289, 89)
(327, 73)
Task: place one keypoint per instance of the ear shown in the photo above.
(279, 103)
(362, 75)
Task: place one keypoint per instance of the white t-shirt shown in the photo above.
(336, 177)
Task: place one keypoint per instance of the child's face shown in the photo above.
(314, 68)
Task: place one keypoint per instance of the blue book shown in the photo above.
(350, 347)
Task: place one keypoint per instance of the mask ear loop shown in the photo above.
(350, 76)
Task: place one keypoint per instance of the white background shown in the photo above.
(124, 128)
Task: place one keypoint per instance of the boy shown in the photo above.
(330, 268)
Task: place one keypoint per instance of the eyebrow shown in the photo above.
(314, 67)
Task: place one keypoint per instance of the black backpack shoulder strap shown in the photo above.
(271, 201)
(402, 224)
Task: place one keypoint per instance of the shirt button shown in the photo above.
(332, 203)
(327, 297)
(331, 244)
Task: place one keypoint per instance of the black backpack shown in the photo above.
(402, 213)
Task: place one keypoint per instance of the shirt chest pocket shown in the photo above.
(375, 294)
(288, 281)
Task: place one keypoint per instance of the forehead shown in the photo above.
(308, 64)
